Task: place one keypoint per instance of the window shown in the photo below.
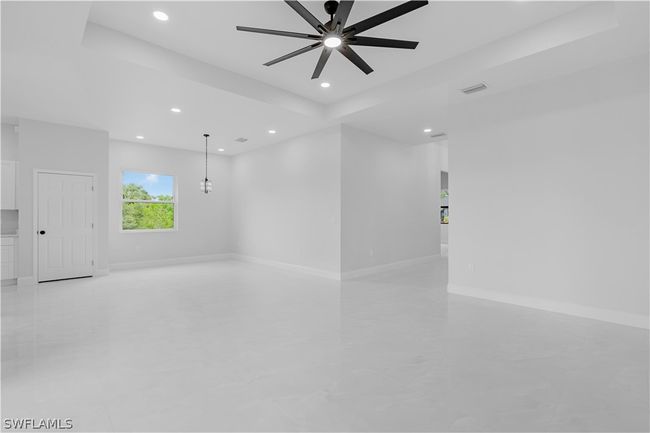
(148, 202)
(444, 197)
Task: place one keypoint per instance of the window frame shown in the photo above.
(173, 202)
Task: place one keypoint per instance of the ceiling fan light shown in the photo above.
(332, 41)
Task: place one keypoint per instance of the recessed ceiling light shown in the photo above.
(160, 15)
(325, 84)
(427, 130)
(332, 41)
(139, 137)
(176, 110)
(272, 131)
(221, 150)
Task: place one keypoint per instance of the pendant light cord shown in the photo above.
(206, 156)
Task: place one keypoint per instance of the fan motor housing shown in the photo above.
(331, 6)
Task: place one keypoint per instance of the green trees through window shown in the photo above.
(148, 201)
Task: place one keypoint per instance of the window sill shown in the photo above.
(149, 231)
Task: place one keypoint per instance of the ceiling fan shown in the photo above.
(335, 35)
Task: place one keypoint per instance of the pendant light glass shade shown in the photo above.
(206, 184)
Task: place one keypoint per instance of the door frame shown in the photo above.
(38, 171)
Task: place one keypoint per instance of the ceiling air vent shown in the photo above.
(241, 140)
(440, 136)
(475, 88)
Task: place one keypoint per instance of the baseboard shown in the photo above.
(26, 281)
(101, 272)
(169, 262)
(288, 267)
(612, 316)
(362, 272)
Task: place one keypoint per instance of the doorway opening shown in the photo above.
(444, 213)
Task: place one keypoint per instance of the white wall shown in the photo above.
(337, 200)
(57, 147)
(444, 155)
(390, 200)
(444, 233)
(204, 225)
(550, 191)
(9, 141)
(286, 202)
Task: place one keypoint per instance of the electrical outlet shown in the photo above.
(470, 267)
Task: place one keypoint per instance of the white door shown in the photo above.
(65, 226)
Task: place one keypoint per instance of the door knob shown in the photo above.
(42, 232)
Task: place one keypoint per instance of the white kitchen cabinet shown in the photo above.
(8, 185)
(8, 258)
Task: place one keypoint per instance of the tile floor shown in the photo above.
(230, 346)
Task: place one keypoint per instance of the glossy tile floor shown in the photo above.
(239, 347)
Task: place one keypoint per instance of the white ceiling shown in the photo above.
(112, 66)
(622, 35)
(206, 31)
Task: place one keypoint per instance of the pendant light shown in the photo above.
(206, 184)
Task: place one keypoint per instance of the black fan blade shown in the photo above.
(354, 58)
(293, 54)
(385, 16)
(324, 56)
(303, 12)
(381, 42)
(342, 13)
(277, 32)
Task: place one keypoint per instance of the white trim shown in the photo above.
(169, 262)
(388, 267)
(612, 316)
(289, 267)
(26, 281)
(150, 230)
(95, 205)
(444, 250)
